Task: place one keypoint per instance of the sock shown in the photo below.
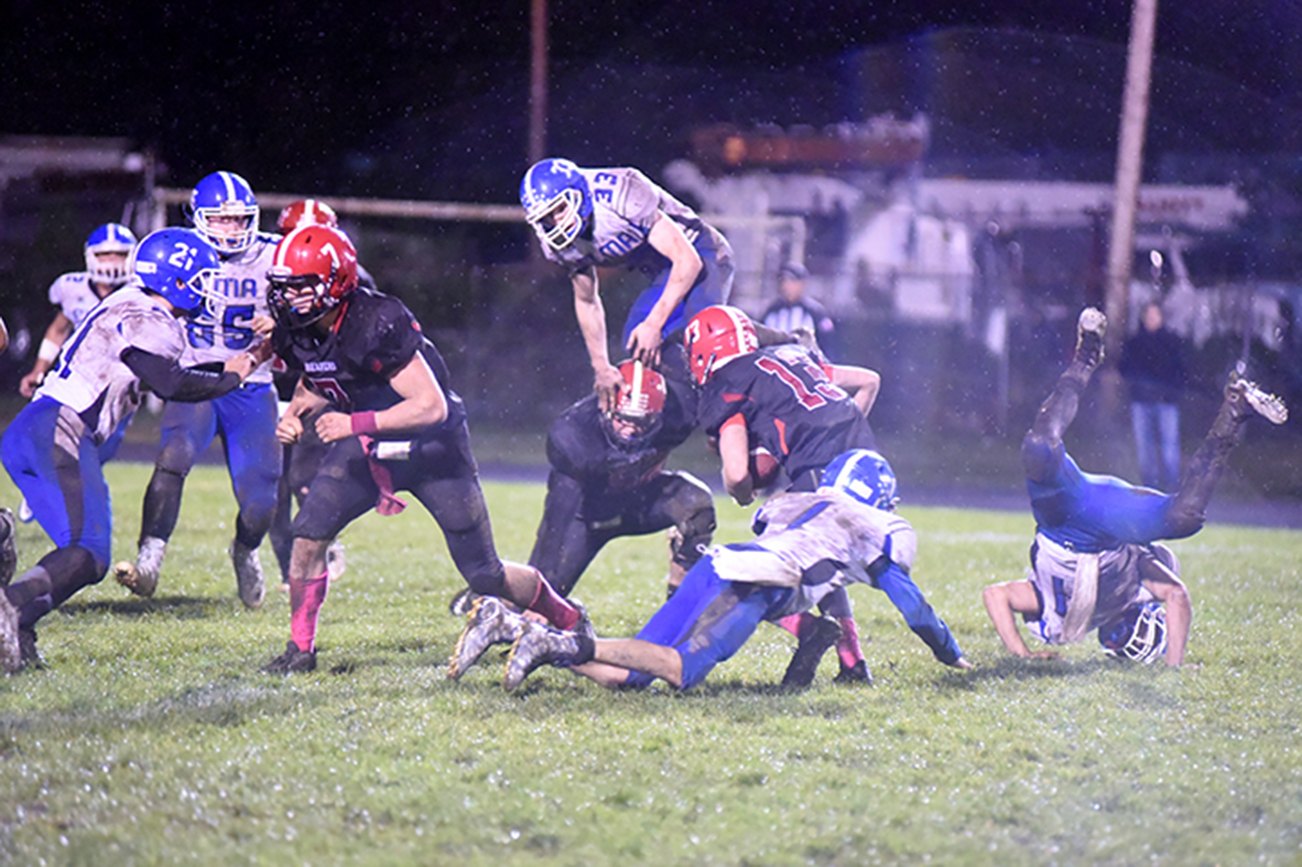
(551, 605)
(305, 600)
(793, 623)
(847, 646)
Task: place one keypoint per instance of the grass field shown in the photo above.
(153, 738)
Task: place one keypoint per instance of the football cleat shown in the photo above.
(462, 602)
(584, 626)
(25, 513)
(820, 636)
(29, 656)
(1263, 403)
(1090, 328)
(248, 574)
(857, 673)
(292, 661)
(489, 622)
(336, 561)
(141, 577)
(8, 547)
(537, 645)
(11, 658)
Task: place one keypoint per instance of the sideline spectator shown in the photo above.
(794, 310)
(1152, 363)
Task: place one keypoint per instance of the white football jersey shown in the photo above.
(625, 205)
(242, 282)
(1054, 573)
(815, 543)
(74, 296)
(91, 378)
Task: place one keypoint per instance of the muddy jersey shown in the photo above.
(580, 445)
(374, 337)
(816, 542)
(74, 295)
(91, 378)
(221, 329)
(625, 205)
(790, 406)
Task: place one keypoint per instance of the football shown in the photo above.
(764, 468)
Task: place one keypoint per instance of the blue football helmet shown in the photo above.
(864, 475)
(109, 239)
(225, 194)
(557, 201)
(174, 263)
(1139, 634)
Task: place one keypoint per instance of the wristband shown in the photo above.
(363, 422)
(48, 351)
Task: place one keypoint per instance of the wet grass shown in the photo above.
(153, 738)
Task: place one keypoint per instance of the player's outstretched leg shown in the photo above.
(1044, 440)
(1243, 399)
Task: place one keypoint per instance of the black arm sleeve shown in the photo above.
(171, 381)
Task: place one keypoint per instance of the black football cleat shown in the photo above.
(857, 673)
(292, 661)
(29, 657)
(815, 640)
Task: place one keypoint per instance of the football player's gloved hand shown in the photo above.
(644, 344)
(334, 426)
(605, 383)
(262, 325)
(289, 429)
(241, 365)
(28, 384)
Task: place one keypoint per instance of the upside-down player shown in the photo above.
(808, 545)
(52, 449)
(391, 423)
(225, 212)
(606, 217)
(1095, 562)
(783, 403)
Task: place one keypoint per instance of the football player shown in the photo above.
(784, 405)
(379, 391)
(52, 449)
(608, 480)
(585, 218)
(301, 460)
(1095, 563)
(225, 212)
(809, 544)
(76, 293)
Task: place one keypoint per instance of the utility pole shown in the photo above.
(537, 80)
(1130, 160)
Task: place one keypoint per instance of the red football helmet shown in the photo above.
(306, 212)
(315, 268)
(641, 400)
(715, 336)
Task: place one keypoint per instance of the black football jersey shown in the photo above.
(791, 408)
(580, 446)
(374, 337)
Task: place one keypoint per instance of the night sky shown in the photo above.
(431, 98)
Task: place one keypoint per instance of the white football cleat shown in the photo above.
(1268, 406)
(141, 577)
(248, 574)
(489, 622)
(1090, 328)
